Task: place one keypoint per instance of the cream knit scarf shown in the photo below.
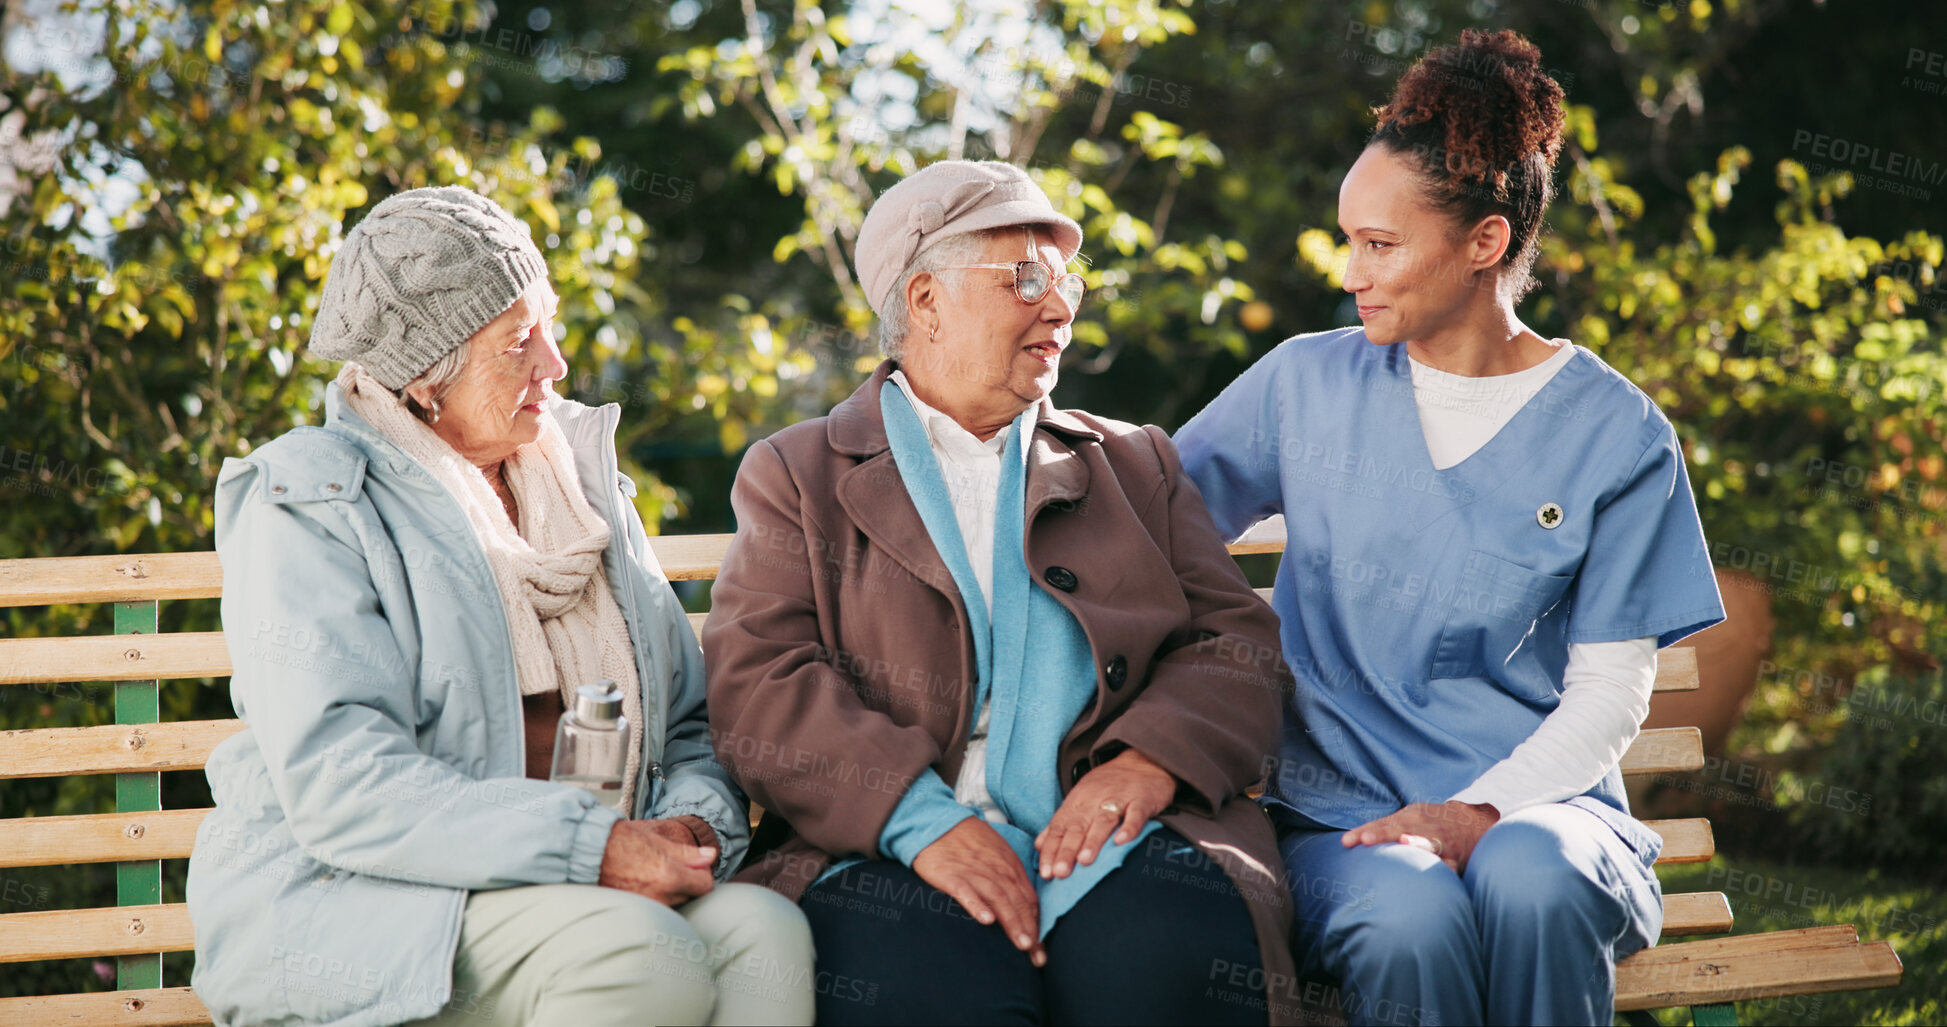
(568, 630)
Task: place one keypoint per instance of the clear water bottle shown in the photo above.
(591, 747)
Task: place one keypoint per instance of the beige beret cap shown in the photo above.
(945, 199)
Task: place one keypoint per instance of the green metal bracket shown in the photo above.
(138, 883)
(1720, 1014)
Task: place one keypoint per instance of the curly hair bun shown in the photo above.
(1489, 100)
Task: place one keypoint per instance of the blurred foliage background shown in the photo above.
(1749, 228)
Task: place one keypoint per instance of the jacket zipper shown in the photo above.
(618, 519)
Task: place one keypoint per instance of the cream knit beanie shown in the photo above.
(425, 270)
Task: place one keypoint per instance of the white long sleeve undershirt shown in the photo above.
(1606, 687)
(1605, 696)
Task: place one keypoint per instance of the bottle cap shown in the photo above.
(599, 703)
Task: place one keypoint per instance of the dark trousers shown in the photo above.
(1165, 938)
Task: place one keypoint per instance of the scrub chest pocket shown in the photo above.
(1494, 606)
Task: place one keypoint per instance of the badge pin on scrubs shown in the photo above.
(1549, 516)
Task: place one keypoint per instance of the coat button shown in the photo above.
(1061, 578)
(1077, 772)
(278, 490)
(1117, 672)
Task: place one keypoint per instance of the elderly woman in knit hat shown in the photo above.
(988, 667)
(411, 593)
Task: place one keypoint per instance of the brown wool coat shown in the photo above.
(839, 653)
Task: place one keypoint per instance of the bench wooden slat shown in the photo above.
(98, 838)
(202, 654)
(1750, 966)
(153, 1007)
(1743, 944)
(690, 557)
(1704, 912)
(1684, 841)
(1266, 536)
(1676, 670)
(1741, 976)
(185, 745)
(127, 578)
(1664, 750)
(111, 748)
(73, 933)
(131, 578)
(184, 654)
(171, 834)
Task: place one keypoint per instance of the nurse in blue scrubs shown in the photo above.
(1490, 534)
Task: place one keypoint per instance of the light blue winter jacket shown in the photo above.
(381, 773)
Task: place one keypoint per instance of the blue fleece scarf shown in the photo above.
(1035, 702)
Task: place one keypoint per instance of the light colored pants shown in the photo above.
(587, 956)
(1551, 899)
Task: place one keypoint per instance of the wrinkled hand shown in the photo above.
(1449, 830)
(1120, 795)
(657, 859)
(687, 829)
(974, 865)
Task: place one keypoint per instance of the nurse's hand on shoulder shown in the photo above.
(645, 857)
(1119, 796)
(974, 865)
(1449, 830)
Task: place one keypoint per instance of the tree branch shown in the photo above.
(1161, 220)
(1596, 198)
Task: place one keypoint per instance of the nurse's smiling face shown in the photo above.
(1414, 272)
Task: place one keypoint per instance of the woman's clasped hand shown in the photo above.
(657, 859)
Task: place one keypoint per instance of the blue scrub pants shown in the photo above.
(1530, 934)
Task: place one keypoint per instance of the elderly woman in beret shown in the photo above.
(988, 667)
(410, 593)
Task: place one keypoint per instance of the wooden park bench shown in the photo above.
(1710, 975)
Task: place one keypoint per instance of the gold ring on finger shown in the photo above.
(1112, 807)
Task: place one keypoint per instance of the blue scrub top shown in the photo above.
(1427, 613)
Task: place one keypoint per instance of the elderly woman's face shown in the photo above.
(993, 355)
(497, 405)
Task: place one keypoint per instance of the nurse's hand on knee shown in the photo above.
(1116, 798)
(1449, 830)
(642, 857)
(973, 864)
